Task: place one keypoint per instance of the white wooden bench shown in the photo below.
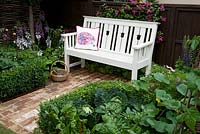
(122, 43)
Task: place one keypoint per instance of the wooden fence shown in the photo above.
(12, 11)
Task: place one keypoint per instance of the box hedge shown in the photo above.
(23, 78)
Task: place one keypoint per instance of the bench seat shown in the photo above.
(113, 59)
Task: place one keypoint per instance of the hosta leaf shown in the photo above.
(194, 44)
(161, 94)
(150, 110)
(160, 126)
(171, 116)
(198, 84)
(163, 127)
(171, 104)
(161, 78)
(141, 85)
(191, 77)
(182, 89)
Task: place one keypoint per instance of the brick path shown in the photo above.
(20, 114)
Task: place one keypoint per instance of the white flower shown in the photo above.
(48, 42)
(38, 36)
(39, 53)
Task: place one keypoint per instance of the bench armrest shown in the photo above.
(142, 45)
(69, 39)
(142, 52)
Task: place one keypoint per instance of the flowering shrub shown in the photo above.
(20, 35)
(134, 10)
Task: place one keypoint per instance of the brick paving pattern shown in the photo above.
(20, 114)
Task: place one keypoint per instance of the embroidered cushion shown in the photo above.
(87, 38)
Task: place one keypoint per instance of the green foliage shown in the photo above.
(21, 71)
(23, 78)
(55, 36)
(4, 130)
(92, 102)
(193, 43)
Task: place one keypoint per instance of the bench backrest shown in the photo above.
(119, 35)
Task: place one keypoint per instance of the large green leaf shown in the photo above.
(191, 77)
(182, 89)
(198, 83)
(162, 94)
(161, 78)
(171, 116)
(194, 44)
(141, 85)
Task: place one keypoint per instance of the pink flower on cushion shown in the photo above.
(84, 38)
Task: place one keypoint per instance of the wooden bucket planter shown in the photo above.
(59, 75)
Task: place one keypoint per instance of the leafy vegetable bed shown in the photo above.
(164, 102)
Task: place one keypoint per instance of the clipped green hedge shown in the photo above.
(53, 109)
(20, 79)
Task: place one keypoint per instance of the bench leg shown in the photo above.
(148, 70)
(82, 63)
(134, 74)
(67, 62)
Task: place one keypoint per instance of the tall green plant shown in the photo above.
(193, 45)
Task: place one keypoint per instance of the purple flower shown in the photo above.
(133, 1)
(149, 17)
(140, 6)
(6, 37)
(147, 4)
(159, 39)
(38, 29)
(126, 7)
(162, 8)
(134, 11)
(20, 31)
(163, 19)
(149, 11)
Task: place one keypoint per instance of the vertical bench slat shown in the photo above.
(104, 37)
(142, 34)
(114, 34)
(100, 35)
(93, 25)
(136, 32)
(124, 40)
(72, 39)
(130, 32)
(119, 39)
(109, 37)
